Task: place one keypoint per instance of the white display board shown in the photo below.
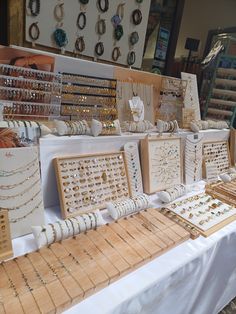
(47, 24)
(191, 99)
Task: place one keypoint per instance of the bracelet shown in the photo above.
(120, 11)
(34, 31)
(59, 12)
(80, 44)
(37, 7)
(99, 48)
(137, 17)
(104, 8)
(139, 1)
(101, 26)
(116, 53)
(134, 38)
(131, 58)
(81, 18)
(53, 232)
(60, 37)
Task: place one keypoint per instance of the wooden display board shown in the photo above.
(233, 146)
(225, 191)
(88, 182)
(5, 237)
(161, 163)
(54, 278)
(193, 210)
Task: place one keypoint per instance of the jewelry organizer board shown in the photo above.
(5, 236)
(191, 99)
(226, 192)
(193, 161)
(20, 177)
(210, 227)
(105, 179)
(125, 91)
(71, 10)
(156, 154)
(78, 267)
(219, 147)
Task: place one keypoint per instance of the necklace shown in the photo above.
(9, 187)
(14, 220)
(27, 202)
(6, 197)
(4, 173)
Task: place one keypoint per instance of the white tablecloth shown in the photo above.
(196, 277)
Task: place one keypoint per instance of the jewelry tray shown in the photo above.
(88, 182)
(201, 202)
(58, 276)
(5, 237)
(161, 163)
(225, 191)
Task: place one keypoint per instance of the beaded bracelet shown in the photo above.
(80, 44)
(37, 7)
(81, 20)
(34, 31)
(131, 58)
(99, 48)
(104, 8)
(137, 17)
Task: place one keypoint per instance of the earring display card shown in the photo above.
(191, 99)
(217, 153)
(188, 115)
(54, 278)
(88, 182)
(224, 191)
(206, 213)
(20, 189)
(193, 158)
(5, 237)
(161, 163)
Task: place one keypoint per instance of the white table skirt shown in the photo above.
(196, 277)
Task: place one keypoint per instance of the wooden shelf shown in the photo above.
(225, 71)
(226, 82)
(219, 102)
(220, 112)
(224, 92)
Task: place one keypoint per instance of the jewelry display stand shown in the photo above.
(29, 94)
(133, 167)
(217, 153)
(226, 192)
(88, 97)
(191, 99)
(193, 158)
(87, 182)
(53, 278)
(161, 159)
(171, 99)
(5, 237)
(20, 188)
(205, 213)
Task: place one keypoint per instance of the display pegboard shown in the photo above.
(65, 16)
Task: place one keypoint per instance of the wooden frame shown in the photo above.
(148, 166)
(89, 196)
(232, 145)
(5, 237)
(219, 190)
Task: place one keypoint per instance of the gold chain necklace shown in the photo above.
(6, 197)
(12, 186)
(14, 220)
(4, 173)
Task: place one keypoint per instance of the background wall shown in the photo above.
(199, 17)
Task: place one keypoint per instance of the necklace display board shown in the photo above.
(88, 97)
(53, 278)
(161, 159)
(5, 237)
(193, 158)
(29, 94)
(108, 30)
(225, 191)
(204, 212)
(171, 101)
(87, 182)
(20, 189)
(191, 99)
(125, 92)
(217, 153)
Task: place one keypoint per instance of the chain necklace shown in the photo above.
(27, 202)
(6, 197)
(12, 186)
(4, 173)
(14, 220)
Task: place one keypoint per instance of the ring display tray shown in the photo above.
(203, 212)
(5, 237)
(88, 182)
(226, 192)
(161, 163)
(56, 277)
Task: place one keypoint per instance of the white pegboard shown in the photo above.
(47, 25)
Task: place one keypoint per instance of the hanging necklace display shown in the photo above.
(193, 158)
(136, 107)
(5, 236)
(133, 166)
(161, 159)
(23, 198)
